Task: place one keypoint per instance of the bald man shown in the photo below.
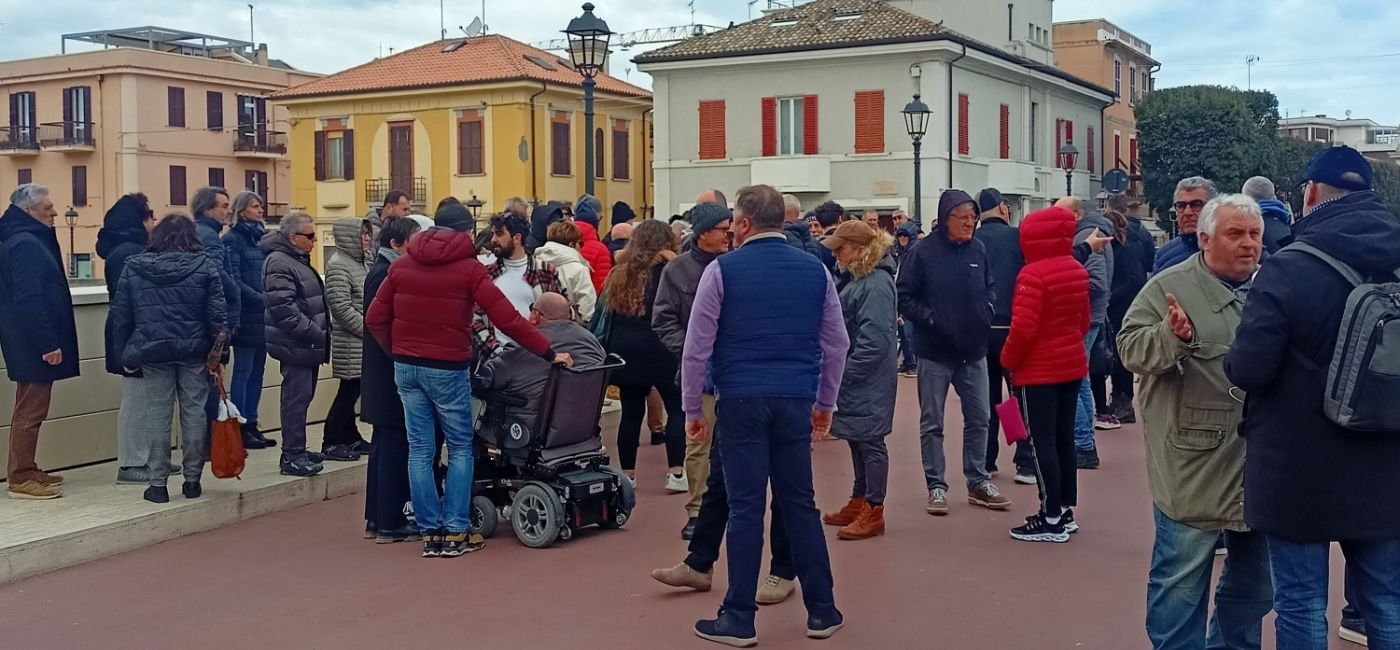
(514, 373)
(712, 196)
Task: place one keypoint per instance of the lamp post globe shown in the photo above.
(474, 206)
(916, 118)
(1068, 157)
(71, 217)
(588, 51)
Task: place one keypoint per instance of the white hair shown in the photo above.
(28, 195)
(791, 203)
(1198, 183)
(1259, 188)
(1238, 202)
(291, 225)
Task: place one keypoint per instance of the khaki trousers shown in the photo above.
(697, 461)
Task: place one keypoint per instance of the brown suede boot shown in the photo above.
(846, 515)
(870, 523)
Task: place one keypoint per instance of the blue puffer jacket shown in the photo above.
(36, 308)
(1175, 252)
(1278, 224)
(209, 231)
(168, 307)
(244, 263)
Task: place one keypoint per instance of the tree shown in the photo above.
(1388, 184)
(1224, 134)
(1293, 158)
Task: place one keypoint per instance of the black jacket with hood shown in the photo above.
(799, 235)
(946, 291)
(169, 307)
(540, 220)
(1003, 243)
(123, 235)
(297, 328)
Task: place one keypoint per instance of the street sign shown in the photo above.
(1115, 181)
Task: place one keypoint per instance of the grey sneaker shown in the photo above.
(988, 496)
(937, 502)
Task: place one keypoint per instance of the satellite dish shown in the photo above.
(474, 29)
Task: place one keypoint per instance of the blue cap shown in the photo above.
(1331, 164)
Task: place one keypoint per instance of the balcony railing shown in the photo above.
(75, 135)
(416, 187)
(19, 139)
(268, 143)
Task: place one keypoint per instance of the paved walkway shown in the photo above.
(305, 579)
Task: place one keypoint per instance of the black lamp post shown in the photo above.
(71, 216)
(474, 206)
(916, 114)
(588, 50)
(1068, 156)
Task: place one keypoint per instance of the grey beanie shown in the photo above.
(704, 217)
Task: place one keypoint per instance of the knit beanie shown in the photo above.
(704, 217)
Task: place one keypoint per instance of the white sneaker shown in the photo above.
(677, 483)
(1026, 479)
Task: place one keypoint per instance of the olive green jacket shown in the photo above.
(1195, 455)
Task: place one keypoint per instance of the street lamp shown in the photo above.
(71, 216)
(588, 50)
(1068, 156)
(474, 206)
(916, 114)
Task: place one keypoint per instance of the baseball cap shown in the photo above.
(988, 200)
(1331, 164)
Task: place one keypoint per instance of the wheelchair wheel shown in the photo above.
(619, 512)
(537, 514)
(484, 519)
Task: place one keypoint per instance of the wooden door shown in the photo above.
(401, 158)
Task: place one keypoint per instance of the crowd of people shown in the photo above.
(1071, 322)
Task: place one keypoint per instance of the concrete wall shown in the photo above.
(82, 424)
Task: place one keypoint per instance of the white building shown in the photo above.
(1373, 140)
(808, 100)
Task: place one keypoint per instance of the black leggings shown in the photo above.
(634, 412)
(1050, 413)
(341, 425)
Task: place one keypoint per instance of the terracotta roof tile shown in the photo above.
(484, 59)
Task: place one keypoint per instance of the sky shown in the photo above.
(1317, 57)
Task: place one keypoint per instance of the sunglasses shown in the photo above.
(308, 236)
(1194, 205)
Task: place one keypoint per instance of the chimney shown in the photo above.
(261, 55)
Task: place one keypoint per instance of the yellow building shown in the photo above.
(487, 116)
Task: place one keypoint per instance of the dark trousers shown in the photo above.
(341, 427)
(386, 480)
(768, 439)
(1050, 411)
(634, 412)
(298, 389)
(907, 360)
(996, 378)
(1122, 382)
(714, 516)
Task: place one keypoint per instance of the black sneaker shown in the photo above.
(408, 533)
(1067, 520)
(1039, 530)
(191, 490)
(432, 544)
(727, 629)
(658, 438)
(1122, 408)
(361, 447)
(1353, 630)
(339, 453)
(1086, 458)
(455, 544)
(251, 440)
(157, 494)
(300, 465)
(824, 627)
(315, 457)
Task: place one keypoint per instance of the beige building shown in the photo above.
(155, 110)
(1376, 141)
(1108, 55)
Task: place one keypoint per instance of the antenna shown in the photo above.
(252, 40)
(1249, 62)
(442, 21)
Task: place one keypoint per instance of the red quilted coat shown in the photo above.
(595, 252)
(423, 311)
(1050, 311)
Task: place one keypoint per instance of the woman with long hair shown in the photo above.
(629, 295)
(865, 406)
(168, 315)
(244, 258)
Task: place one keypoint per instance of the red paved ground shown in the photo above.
(305, 579)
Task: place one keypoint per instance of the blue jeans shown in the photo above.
(435, 398)
(1178, 588)
(769, 438)
(1300, 590)
(1084, 412)
(970, 380)
(247, 387)
(906, 347)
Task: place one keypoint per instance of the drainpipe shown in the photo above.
(645, 164)
(951, 117)
(534, 164)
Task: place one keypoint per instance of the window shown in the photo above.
(216, 177)
(1093, 160)
(870, 121)
(790, 126)
(80, 197)
(252, 119)
(214, 110)
(1132, 84)
(471, 148)
(23, 121)
(964, 140)
(256, 182)
(177, 186)
(1117, 77)
(1146, 84)
(25, 177)
(1133, 155)
(560, 157)
(1005, 147)
(598, 170)
(81, 266)
(335, 154)
(622, 151)
(175, 106)
(1035, 121)
(790, 123)
(77, 115)
(712, 130)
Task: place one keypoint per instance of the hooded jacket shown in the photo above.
(946, 291)
(540, 220)
(589, 210)
(169, 307)
(244, 259)
(1050, 311)
(799, 235)
(379, 393)
(1307, 479)
(597, 255)
(345, 297)
(910, 231)
(1099, 265)
(209, 232)
(574, 273)
(1003, 243)
(1278, 224)
(422, 313)
(123, 234)
(297, 329)
(1175, 252)
(865, 404)
(34, 283)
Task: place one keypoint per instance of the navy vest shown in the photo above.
(770, 322)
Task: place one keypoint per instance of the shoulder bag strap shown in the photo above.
(1339, 266)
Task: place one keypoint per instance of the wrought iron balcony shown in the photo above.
(259, 144)
(416, 187)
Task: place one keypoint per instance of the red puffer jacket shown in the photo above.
(596, 254)
(423, 311)
(1050, 311)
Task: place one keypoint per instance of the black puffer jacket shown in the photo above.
(799, 235)
(379, 394)
(298, 329)
(1003, 245)
(168, 307)
(243, 259)
(123, 234)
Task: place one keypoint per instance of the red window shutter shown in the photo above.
(1005, 132)
(1069, 131)
(348, 144)
(1093, 163)
(712, 130)
(1059, 138)
(964, 143)
(809, 125)
(1133, 155)
(870, 121)
(320, 155)
(1117, 150)
(770, 126)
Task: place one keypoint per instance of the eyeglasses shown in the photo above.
(1194, 205)
(308, 236)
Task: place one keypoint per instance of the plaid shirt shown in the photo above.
(541, 276)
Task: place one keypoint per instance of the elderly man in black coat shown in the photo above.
(41, 347)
